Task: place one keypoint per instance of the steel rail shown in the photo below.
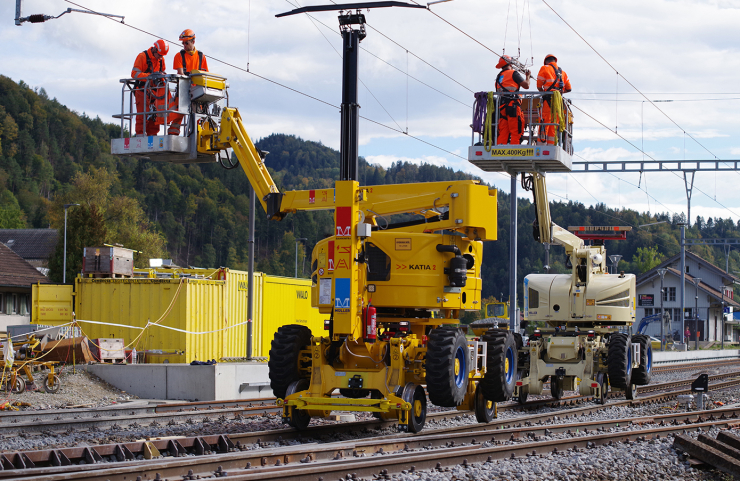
(268, 462)
(447, 436)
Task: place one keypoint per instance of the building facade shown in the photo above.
(16, 278)
(703, 305)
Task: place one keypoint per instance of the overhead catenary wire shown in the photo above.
(625, 79)
(251, 72)
(646, 154)
(313, 22)
(600, 123)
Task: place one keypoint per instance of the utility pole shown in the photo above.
(513, 319)
(297, 241)
(250, 271)
(696, 311)
(723, 318)
(662, 311)
(683, 281)
(64, 268)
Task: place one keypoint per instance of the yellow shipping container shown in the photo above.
(197, 318)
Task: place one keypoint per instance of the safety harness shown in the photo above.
(558, 84)
(149, 68)
(184, 64)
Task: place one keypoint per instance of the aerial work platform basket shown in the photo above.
(533, 154)
(194, 99)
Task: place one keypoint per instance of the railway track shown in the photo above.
(241, 448)
(391, 453)
(142, 415)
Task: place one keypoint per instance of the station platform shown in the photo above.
(681, 357)
(218, 382)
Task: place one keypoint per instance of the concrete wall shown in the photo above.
(218, 382)
(677, 357)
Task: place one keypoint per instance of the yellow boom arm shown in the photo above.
(463, 206)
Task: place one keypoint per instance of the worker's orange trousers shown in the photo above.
(152, 123)
(549, 130)
(510, 125)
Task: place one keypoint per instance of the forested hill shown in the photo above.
(198, 214)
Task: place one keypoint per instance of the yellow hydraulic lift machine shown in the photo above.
(393, 292)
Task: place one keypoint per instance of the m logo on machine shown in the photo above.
(330, 265)
(341, 294)
(150, 143)
(311, 196)
(344, 221)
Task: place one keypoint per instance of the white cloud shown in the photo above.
(79, 58)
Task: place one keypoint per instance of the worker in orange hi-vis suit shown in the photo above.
(550, 77)
(186, 61)
(148, 62)
(511, 118)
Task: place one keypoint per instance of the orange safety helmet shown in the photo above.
(503, 61)
(161, 47)
(550, 55)
(186, 35)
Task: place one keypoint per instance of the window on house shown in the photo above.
(648, 311)
(687, 269)
(671, 293)
(688, 313)
(676, 314)
(14, 304)
(2, 303)
(22, 304)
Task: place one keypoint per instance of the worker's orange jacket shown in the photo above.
(506, 81)
(146, 64)
(551, 77)
(194, 60)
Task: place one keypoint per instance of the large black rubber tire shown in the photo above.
(485, 410)
(300, 418)
(603, 380)
(641, 374)
(500, 379)
(447, 366)
(283, 365)
(556, 387)
(417, 416)
(519, 340)
(618, 360)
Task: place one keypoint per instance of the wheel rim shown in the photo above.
(649, 358)
(489, 405)
(460, 368)
(508, 365)
(417, 409)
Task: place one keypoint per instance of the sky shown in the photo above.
(418, 72)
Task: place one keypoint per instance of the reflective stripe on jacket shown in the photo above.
(551, 77)
(145, 65)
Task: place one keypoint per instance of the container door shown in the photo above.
(52, 304)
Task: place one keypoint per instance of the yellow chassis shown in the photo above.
(406, 357)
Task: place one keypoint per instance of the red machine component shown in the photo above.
(369, 323)
(600, 232)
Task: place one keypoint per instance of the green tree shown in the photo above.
(85, 228)
(11, 215)
(646, 258)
